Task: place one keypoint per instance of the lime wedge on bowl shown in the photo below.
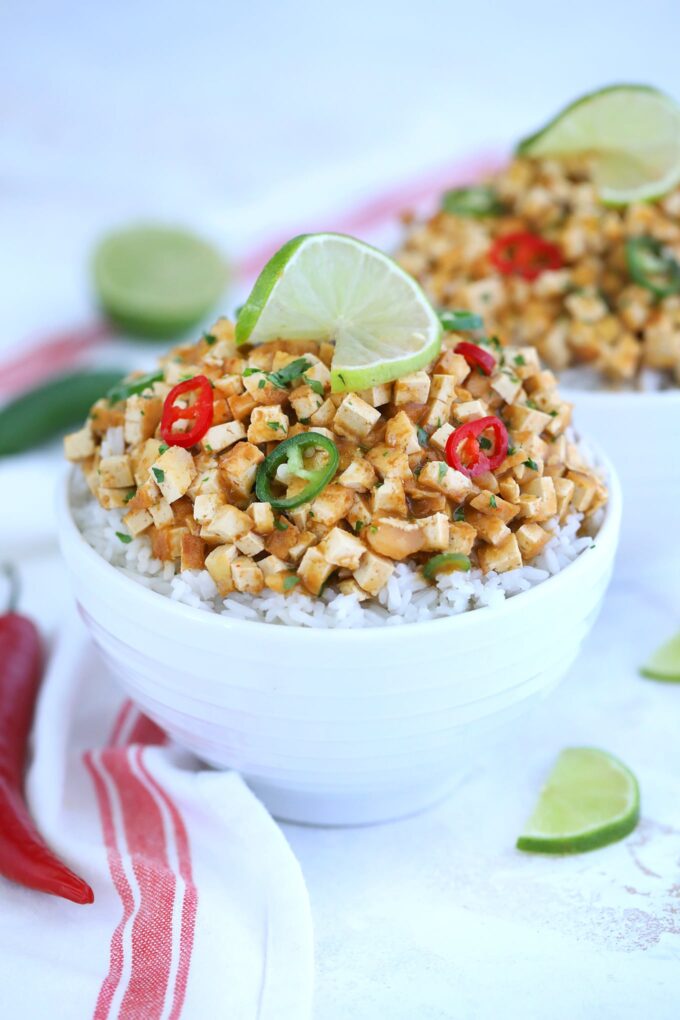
(590, 800)
(333, 287)
(156, 281)
(665, 662)
(631, 133)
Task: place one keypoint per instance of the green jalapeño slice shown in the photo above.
(290, 453)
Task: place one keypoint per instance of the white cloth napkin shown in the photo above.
(200, 907)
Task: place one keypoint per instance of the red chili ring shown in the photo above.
(476, 357)
(200, 412)
(524, 254)
(468, 436)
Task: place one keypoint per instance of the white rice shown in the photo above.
(407, 597)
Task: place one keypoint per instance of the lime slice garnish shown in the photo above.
(590, 799)
(333, 287)
(157, 281)
(665, 662)
(630, 132)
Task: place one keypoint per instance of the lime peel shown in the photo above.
(665, 662)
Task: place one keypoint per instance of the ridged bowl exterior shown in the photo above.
(338, 726)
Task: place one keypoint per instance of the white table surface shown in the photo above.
(244, 122)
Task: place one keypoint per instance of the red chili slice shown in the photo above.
(200, 412)
(464, 449)
(476, 357)
(524, 254)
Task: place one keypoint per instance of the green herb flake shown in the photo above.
(485, 443)
(553, 414)
(533, 405)
(492, 503)
(128, 496)
(290, 582)
(275, 425)
(252, 371)
(163, 447)
(314, 385)
(125, 539)
(358, 525)
(286, 375)
(459, 513)
(262, 383)
(441, 471)
(519, 359)
(304, 421)
(423, 437)
(373, 529)
(158, 474)
(210, 339)
(511, 451)
(531, 464)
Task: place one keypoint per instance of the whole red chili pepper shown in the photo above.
(524, 254)
(465, 448)
(24, 856)
(476, 357)
(200, 412)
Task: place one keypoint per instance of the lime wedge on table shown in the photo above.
(632, 134)
(157, 281)
(333, 287)
(590, 799)
(665, 662)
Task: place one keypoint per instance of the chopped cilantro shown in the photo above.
(532, 404)
(163, 447)
(441, 470)
(159, 474)
(358, 525)
(275, 425)
(208, 447)
(553, 414)
(210, 339)
(280, 524)
(485, 443)
(290, 582)
(286, 375)
(373, 529)
(128, 496)
(304, 421)
(262, 383)
(252, 371)
(314, 385)
(423, 437)
(459, 513)
(511, 450)
(519, 359)
(125, 539)
(531, 464)
(492, 503)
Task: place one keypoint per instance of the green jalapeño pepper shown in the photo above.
(478, 200)
(652, 266)
(289, 452)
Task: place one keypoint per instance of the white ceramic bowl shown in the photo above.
(339, 726)
(640, 433)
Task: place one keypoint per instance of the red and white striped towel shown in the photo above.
(200, 907)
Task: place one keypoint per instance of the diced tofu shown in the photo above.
(509, 489)
(166, 543)
(564, 491)
(373, 572)
(506, 385)
(355, 418)
(230, 385)
(377, 396)
(389, 462)
(206, 506)
(173, 472)
(142, 415)
(440, 438)
(325, 414)
(272, 565)
(79, 445)
(260, 389)
(267, 424)
(461, 537)
(137, 521)
(531, 539)
(494, 506)
(501, 557)
(342, 549)
(305, 402)
(471, 410)
(544, 488)
(489, 529)
(218, 563)
(435, 531)
(250, 544)
(219, 437)
(314, 570)
(318, 372)
(585, 488)
(116, 472)
(239, 467)
(455, 365)
(228, 524)
(300, 546)
(390, 536)
(413, 388)
(437, 475)
(247, 576)
(401, 433)
(442, 389)
(114, 499)
(192, 553)
(350, 587)
(263, 518)
(241, 405)
(161, 514)
(359, 476)
(525, 361)
(529, 506)
(331, 505)
(282, 540)
(526, 419)
(389, 498)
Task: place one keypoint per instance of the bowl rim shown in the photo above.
(603, 549)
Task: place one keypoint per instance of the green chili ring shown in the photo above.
(290, 451)
(652, 267)
(446, 563)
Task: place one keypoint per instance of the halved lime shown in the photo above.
(333, 287)
(157, 281)
(590, 799)
(631, 133)
(665, 662)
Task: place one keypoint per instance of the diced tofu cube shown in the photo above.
(506, 384)
(461, 537)
(192, 553)
(412, 389)
(342, 549)
(531, 539)
(247, 576)
(241, 406)
(305, 402)
(435, 531)
(389, 462)
(166, 543)
(509, 489)
(437, 474)
(440, 438)
(350, 587)
(585, 488)
(331, 505)
(314, 570)
(142, 457)
(489, 529)
(494, 506)
(229, 385)
(377, 396)
(228, 524)
(436, 415)
(325, 414)
(471, 410)
(173, 472)
(318, 372)
(267, 424)
(501, 557)
(355, 418)
(161, 514)
(79, 445)
(401, 433)
(137, 521)
(142, 415)
(373, 572)
(116, 472)
(250, 544)
(525, 361)
(442, 389)
(114, 499)
(359, 476)
(526, 419)
(239, 467)
(398, 539)
(544, 488)
(206, 506)
(300, 546)
(455, 365)
(564, 491)
(389, 498)
(263, 518)
(282, 540)
(218, 564)
(219, 437)
(272, 565)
